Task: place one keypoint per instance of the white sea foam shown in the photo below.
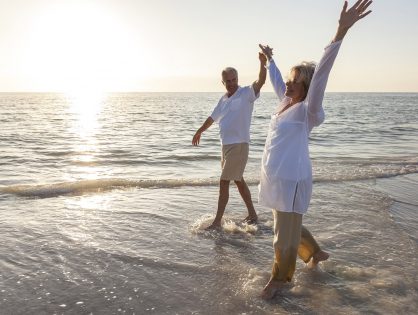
(228, 226)
(105, 184)
(199, 225)
(254, 281)
(97, 185)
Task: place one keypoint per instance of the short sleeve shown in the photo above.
(217, 112)
(251, 93)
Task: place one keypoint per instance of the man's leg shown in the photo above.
(222, 201)
(246, 196)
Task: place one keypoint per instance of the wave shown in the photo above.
(98, 185)
(127, 159)
(361, 171)
(102, 185)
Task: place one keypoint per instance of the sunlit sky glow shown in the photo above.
(96, 46)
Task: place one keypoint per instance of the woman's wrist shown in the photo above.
(341, 32)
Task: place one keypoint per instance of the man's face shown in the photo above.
(230, 80)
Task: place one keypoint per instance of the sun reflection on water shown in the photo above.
(84, 110)
(85, 213)
(89, 202)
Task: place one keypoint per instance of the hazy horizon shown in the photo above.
(197, 92)
(83, 47)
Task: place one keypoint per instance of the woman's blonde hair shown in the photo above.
(306, 71)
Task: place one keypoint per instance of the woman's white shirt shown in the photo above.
(286, 171)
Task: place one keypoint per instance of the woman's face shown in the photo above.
(294, 88)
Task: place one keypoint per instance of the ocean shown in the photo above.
(103, 204)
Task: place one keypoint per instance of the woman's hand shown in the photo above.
(349, 17)
(267, 51)
(355, 13)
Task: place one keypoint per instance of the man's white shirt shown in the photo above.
(233, 114)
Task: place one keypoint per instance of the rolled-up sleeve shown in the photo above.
(318, 84)
(276, 79)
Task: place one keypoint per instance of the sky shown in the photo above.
(183, 45)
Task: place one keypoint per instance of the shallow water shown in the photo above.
(103, 211)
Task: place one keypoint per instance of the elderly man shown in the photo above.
(233, 114)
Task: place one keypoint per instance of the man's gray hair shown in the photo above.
(229, 69)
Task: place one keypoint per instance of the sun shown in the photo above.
(83, 47)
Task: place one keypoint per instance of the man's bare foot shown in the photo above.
(213, 226)
(317, 258)
(250, 220)
(271, 289)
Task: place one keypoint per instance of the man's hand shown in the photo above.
(263, 58)
(196, 138)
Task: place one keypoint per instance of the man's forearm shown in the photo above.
(206, 125)
(261, 78)
(262, 74)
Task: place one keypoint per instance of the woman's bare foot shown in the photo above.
(271, 288)
(317, 258)
(250, 220)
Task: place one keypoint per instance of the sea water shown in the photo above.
(104, 201)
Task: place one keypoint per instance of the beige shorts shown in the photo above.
(234, 159)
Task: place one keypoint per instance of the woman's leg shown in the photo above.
(287, 235)
(309, 249)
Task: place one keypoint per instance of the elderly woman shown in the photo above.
(286, 172)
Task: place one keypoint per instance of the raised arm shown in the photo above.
(320, 78)
(257, 85)
(274, 72)
(196, 138)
